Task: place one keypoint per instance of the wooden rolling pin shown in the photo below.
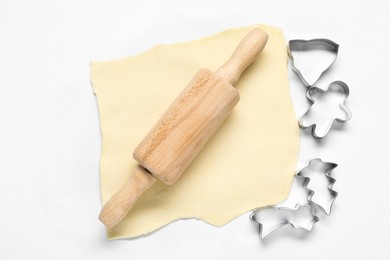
(184, 128)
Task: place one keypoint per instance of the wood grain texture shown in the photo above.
(186, 126)
(123, 200)
(246, 52)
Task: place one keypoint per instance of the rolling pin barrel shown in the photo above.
(185, 127)
(196, 114)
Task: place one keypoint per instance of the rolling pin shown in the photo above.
(184, 128)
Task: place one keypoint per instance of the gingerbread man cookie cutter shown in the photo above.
(320, 129)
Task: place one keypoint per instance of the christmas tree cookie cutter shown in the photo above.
(320, 184)
(306, 202)
(319, 129)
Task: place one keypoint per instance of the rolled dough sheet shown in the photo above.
(249, 162)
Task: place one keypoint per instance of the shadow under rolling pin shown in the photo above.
(184, 128)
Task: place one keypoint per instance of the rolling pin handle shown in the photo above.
(123, 200)
(246, 52)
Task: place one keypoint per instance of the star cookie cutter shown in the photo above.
(319, 129)
(301, 209)
(295, 211)
(273, 218)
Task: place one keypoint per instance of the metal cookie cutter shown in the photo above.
(273, 218)
(320, 183)
(311, 192)
(295, 211)
(319, 130)
(343, 114)
(309, 45)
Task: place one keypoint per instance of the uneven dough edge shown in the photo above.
(110, 182)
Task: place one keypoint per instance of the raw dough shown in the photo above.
(249, 162)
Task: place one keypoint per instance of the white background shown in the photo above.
(50, 138)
